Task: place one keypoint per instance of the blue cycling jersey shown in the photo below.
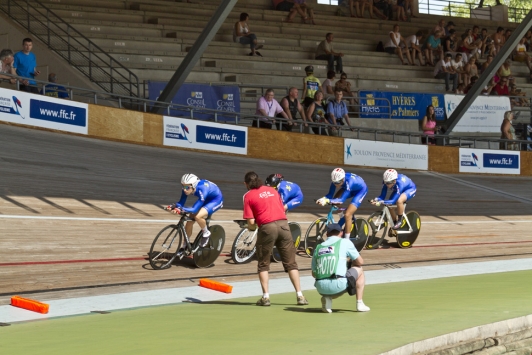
(351, 186)
(291, 194)
(206, 192)
(402, 184)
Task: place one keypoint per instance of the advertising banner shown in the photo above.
(485, 114)
(373, 104)
(489, 161)
(221, 97)
(187, 133)
(43, 111)
(386, 154)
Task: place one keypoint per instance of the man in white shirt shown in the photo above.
(458, 65)
(444, 70)
(414, 47)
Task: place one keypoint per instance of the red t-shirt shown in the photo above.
(264, 204)
(501, 90)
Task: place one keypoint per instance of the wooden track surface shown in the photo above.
(88, 184)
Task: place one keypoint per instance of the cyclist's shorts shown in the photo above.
(294, 202)
(214, 205)
(410, 193)
(359, 197)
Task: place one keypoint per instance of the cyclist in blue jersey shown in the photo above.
(210, 200)
(403, 189)
(348, 185)
(291, 194)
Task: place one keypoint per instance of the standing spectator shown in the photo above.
(498, 40)
(487, 63)
(267, 106)
(328, 87)
(447, 30)
(26, 65)
(344, 86)
(311, 84)
(337, 110)
(440, 27)
(502, 87)
(6, 65)
(394, 45)
(326, 52)
(470, 70)
(508, 131)
(429, 127)
(333, 283)
(291, 107)
(300, 7)
(414, 47)
(444, 70)
(263, 208)
(242, 34)
(53, 89)
(316, 113)
(433, 48)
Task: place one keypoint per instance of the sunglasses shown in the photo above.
(187, 187)
(390, 182)
(338, 182)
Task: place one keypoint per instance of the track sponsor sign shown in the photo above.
(43, 111)
(489, 161)
(485, 114)
(187, 133)
(386, 154)
(374, 104)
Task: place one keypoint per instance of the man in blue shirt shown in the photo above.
(210, 200)
(337, 110)
(54, 90)
(403, 189)
(26, 65)
(291, 194)
(329, 268)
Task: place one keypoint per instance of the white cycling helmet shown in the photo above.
(190, 179)
(337, 175)
(390, 175)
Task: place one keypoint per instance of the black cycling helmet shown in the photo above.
(309, 69)
(273, 180)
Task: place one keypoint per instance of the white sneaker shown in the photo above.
(326, 304)
(361, 307)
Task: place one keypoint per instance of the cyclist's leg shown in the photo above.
(294, 202)
(350, 212)
(207, 210)
(405, 196)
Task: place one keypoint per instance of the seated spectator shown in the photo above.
(25, 64)
(447, 30)
(444, 70)
(470, 45)
(433, 48)
(311, 84)
(326, 52)
(498, 40)
(460, 89)
(300, 7)
(520, 54)
(486, 64)
(528, 37)
(53, 89)
(470, 70)
(242, 34)
(472, 82)
(489, 87)
(502, 87)
(507, 35)
(384, 7)
(394, 45)
(316, 113)
(268, 107)
(508, 132)
(458, 66)
(374, 9)
(291, 107)
(398, 7)
(6, 66)
(337, 110)
(518, 98)
(412, 42)
(505, 71)
(440, 27)
(328, 85)
(429, 127)
(487, 43)
(344, 86)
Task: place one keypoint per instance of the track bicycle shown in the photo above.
(380, 223)
(173, 242)
(317, 231)
(244, 248)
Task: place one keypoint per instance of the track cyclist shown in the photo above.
(403, 189)
(291, 194)
(349, 185)
(210, 200)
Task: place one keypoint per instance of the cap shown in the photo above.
(450, 23)
(334, 227)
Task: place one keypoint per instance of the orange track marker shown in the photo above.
(30, 305)
(215, 285)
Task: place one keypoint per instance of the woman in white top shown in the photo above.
(414, 48)
(242, 34)
(328, 85)
(394, 45)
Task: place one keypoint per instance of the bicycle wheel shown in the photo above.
(316, 234)
(164, 248)
(379, 224)
(244, 247)
(362, 230)
(204, 257)
(406, 240)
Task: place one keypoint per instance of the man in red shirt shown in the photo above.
(263, 208)
(502, 87)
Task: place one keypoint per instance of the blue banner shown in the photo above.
(220, 136)
(504, 161)
(59, 113)
(222, 98)
(413, 106)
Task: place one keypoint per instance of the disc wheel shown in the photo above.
(406, 240)
(244, 247)
(362, 233)
(295, 229)
(378, 224)
(204, 257)
(315, 235)
(164, 248)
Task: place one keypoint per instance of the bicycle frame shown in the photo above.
(188, 246)
(386, 212)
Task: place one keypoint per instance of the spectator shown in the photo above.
(444, 70)
(447, 30)
(487, 43)
(429, 127)
(502, 87)
(291, 107)
(337, 110)
(449, 43)
(6, 65)
(398, 7)
(517, 97)
(472, 82)
(328, 87)
(528, 37)
(505, 71)
(311, 84)
(263, 208)
(53, 89)
(374, 9)
(300, 7)
(489, 87)
(470, 45)
(507, 35)
(460, 89)
(394, 45)
(25, 64)
(508, 132)
(384, 7)
(345, 87)
(412, 42)
(520, 54)
(316, 113)
(498, 40)
(433, 48)
(326, 52)
(475, 33)
(332, 284)
(267, 106)
(355, 4)
(486, 64)
(470, 70)
(440, 27)
(458, 66)
(242, 34)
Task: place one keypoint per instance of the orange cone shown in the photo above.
(215, 285)
(30, 305)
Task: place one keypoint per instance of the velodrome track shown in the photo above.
(78, 215)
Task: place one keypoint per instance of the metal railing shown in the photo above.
(463, 9)
(79, 51)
